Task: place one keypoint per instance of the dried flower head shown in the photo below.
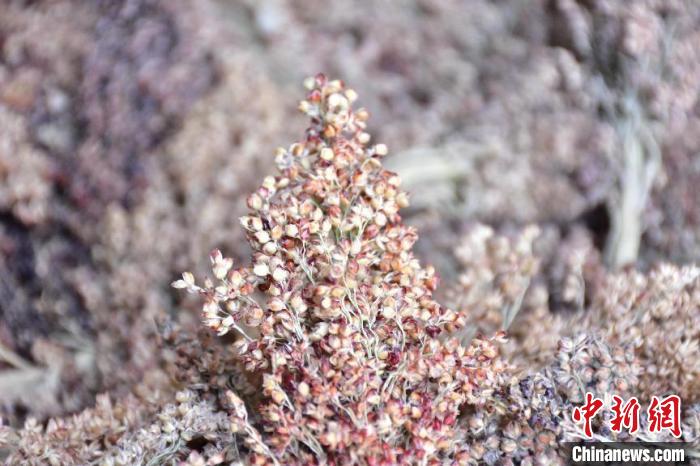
(497, 290)
(658, 314)
(335, 314)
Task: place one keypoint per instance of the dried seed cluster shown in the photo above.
(496, 272)
(529, 416)
(187, 427)
(658, 314)
(495, 280)
(336, 314)
(330, 349)
(80, 439)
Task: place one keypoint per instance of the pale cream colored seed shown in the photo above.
(277, 396)
(262, 236)
(304, 106)
(351, 95)
(291, 230)
(261, 270)
(337, 101)
(309, 83)
(276, 305)
(402, 200)
(297, 303)
(221, 268)
(269, 183)
(276, 232)
(228, 321)
(388, 312)
(256, 224)
(280, 275)
(270, 248)
(335, 85)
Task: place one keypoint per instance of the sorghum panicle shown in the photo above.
(336, 314)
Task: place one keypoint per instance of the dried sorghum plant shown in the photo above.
(529, 416)
(500, 287)
(586, 363)
(523, 422)
(658, 314)
(183, 421)
(81, 439)
(496, 272)
(335, 315)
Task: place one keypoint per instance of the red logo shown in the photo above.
(587, 412)
(626, 415)
(663, 414)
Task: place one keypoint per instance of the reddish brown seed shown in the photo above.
(394, 357)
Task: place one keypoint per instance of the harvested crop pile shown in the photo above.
(532, 235)
(340, 354)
